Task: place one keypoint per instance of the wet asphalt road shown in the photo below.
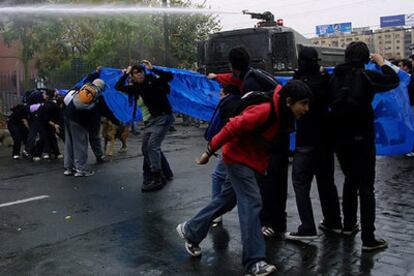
(104, 225)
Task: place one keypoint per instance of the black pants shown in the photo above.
(273, 188)
(309, 162)
(32, 135)
(51, 145)
(19, 134)
(357, 161)
(47, 140)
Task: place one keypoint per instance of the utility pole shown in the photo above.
(166, 36)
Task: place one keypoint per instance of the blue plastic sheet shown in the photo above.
(193, 94)
(394, 123)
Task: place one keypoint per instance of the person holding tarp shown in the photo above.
(154, 89)
(352, 90)
(79, 119)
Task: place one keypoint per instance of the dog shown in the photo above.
(110, 132)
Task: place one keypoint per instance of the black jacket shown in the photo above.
(313, 128)
(154, 91)
(352, 90)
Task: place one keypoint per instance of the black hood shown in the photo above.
(344, 68)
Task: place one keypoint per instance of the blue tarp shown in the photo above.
(193, 94)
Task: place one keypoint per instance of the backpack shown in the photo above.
(265, 79)
(85, 98)
(220, 118)
(347, 91)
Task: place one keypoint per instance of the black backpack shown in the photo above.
(255, 98)
(348, 91)
(265, 79)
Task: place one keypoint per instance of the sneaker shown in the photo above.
(410, 154)
(192, 249)
(46, 156)
(261, 268)
(25, 154)
(101, 159)
(16, 157)
(217, 222)
(326, 227)
(296, 236)
(68, 172)
(59, 156)
(36, 159)
(350, 231)
(85, 173)
(374, 245)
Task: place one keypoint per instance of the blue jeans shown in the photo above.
(218, 177)
(244, 188)
(155, 131)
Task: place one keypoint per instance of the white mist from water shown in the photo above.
(82, 10)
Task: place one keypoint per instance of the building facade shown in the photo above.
(392, 43)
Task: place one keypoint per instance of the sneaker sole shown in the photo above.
(331, 230)
(307, 238)
(369, 249)
(181, 234)
(270, 271)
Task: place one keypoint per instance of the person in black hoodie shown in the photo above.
(18, 125)
(314, 154)
(352, 90)
(154, 90)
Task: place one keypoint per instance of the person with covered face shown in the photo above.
(152, 85)
(314, 156)
(351, 92)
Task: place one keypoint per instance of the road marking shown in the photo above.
(23, 200)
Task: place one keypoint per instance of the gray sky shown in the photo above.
(304, 15)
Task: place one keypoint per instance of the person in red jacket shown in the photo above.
(244, 155)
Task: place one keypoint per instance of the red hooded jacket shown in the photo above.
(238, 140)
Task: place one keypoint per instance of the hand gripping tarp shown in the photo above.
(193, 94)
(394, 124)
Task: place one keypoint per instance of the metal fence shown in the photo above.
(11, 85)
(10, 90)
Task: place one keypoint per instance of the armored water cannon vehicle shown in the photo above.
(271, 46)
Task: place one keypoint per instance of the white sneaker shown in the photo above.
(16, 157)
(46, 156)
(36, 159)
(59, 156)
(410, 154)
(261, 268)
(84, 173)
(68, 172)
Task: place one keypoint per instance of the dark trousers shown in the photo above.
(273, 188)
(357, 162)
(307, 163)
(19, 134)
(32, 135)
(51, 142)
(95, 140)
(166, 169)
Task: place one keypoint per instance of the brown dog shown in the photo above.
(110, 132)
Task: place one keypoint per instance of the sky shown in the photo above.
(304, 15)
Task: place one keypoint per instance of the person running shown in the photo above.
(244, 155)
